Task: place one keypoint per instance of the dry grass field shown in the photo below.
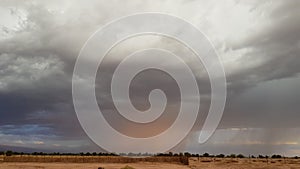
(245, 163)
(90, 162)
(142, 165)
(194, 163)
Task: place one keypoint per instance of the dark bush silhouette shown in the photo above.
(232, 156)
(220, 156)
(205, 155)
(187, 154)
(9, 153)
(240, 156)
(276, 156)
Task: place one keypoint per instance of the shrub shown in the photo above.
(8, 153)
(240, 156)
(232, 156)
(205, 155)
(276, 156)
(187, 154)
(220, 156)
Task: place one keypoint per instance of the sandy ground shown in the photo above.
(243, 164)
(89, 166)
(195, 163)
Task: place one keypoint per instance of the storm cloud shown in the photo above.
(258, 43)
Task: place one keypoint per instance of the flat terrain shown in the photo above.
(235, 163)
(194, 163)
(142, 165)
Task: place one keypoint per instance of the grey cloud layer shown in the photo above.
(37, 60)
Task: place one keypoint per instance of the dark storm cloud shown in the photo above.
(273, 50)
(36, 69)
(273, 45)
(37, 60)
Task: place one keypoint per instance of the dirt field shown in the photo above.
(228, 163)
(90, 166)
(194, 163)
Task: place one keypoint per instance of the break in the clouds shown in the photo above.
(258, 43)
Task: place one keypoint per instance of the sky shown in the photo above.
(257, 41)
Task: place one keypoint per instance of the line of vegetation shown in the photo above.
(11, 153)
(169, 154)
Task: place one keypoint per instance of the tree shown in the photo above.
(205, 155)
(187, 154)
(232, 156)
(196, 155)
(276, 156)
(9, 153)
(240, 156)
(130, 154)
(220, 156)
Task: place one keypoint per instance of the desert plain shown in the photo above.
(194, 163)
